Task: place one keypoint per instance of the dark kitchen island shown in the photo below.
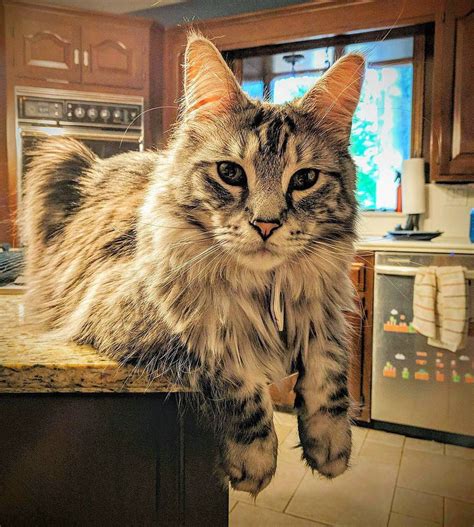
(86, 442)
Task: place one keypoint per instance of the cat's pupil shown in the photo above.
(304, 179)
(231, 173)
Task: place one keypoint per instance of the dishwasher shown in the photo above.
(413, 383)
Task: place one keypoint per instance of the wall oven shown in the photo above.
(108, 124)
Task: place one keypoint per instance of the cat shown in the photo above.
(221, 262)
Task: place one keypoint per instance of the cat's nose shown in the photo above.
(265, 227)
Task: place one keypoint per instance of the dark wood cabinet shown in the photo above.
(77, 48)
(113, 55)
(360, 320)
(102, 460)
(46, 46)
(452, 141)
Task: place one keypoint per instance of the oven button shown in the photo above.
(117, 114)
(79, 112)
(92, 113)
(105, 114)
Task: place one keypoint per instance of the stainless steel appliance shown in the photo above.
(414, 383)
(108, 124)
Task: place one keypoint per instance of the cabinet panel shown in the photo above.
(463, 115)
(46, 46)
(113, 55)
(452, 141)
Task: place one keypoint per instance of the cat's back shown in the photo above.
(80, 213)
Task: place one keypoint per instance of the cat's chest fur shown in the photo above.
(232, 316)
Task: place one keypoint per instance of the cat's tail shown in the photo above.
(53, 189)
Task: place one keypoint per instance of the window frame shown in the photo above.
(339, 42)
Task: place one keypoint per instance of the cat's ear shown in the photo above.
(334, 97)
(210, 87)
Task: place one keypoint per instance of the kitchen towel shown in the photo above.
(424, 302)
(440, 306)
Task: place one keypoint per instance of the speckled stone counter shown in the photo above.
(36, 363)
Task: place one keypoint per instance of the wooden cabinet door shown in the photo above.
(113, 55)
(46, 45)
(453, 102)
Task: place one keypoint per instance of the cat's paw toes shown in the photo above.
(250, 468)
(326, 443)
(251, 484)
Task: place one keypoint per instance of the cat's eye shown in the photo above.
(231, 173)
(303, 179)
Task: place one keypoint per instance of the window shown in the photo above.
(382, 127)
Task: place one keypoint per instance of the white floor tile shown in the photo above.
(458, 513)
(245, 515)
(285, 419)
(400, 520)
(418, 504)
(424, 446)
(385, 438)
(437, 474)
(360, 497)
(459, 451)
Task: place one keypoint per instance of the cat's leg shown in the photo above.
(242, 409)
(322, 398)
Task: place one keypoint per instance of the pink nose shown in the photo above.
(265, 228)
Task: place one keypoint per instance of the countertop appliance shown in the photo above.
(414, 383)
(108, 124)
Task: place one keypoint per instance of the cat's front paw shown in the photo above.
(250, 467)
(326, 441)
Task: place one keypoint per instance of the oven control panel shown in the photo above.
(93, 113)
(86, 112)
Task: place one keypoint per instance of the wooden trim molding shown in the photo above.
(310, 20)
(418, 96)
(77, 11)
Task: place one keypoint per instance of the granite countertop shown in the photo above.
(35, 363)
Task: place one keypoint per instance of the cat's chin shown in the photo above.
(260, 261)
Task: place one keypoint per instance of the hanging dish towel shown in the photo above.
(440, 306)
(424, 302)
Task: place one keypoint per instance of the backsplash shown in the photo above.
(448, 208)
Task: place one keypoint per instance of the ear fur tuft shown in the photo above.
(210, 87)
(334, 97)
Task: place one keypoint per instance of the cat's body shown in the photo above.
(152, 257)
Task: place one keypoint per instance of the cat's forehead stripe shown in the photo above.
(273, 128)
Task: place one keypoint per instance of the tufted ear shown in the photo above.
(334, 97)
(210, 87)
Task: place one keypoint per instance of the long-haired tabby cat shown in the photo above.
(221, 261)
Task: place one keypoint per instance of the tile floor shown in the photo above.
(394, 481)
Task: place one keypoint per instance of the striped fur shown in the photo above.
(152, 258)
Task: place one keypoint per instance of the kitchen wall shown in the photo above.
(448, 209)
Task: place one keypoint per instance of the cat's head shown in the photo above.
(268, 182)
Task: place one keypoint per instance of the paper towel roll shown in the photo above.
(413, 186)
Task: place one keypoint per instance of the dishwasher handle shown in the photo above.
(401, 270)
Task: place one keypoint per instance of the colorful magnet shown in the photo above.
(422, 375)
(389, 370)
